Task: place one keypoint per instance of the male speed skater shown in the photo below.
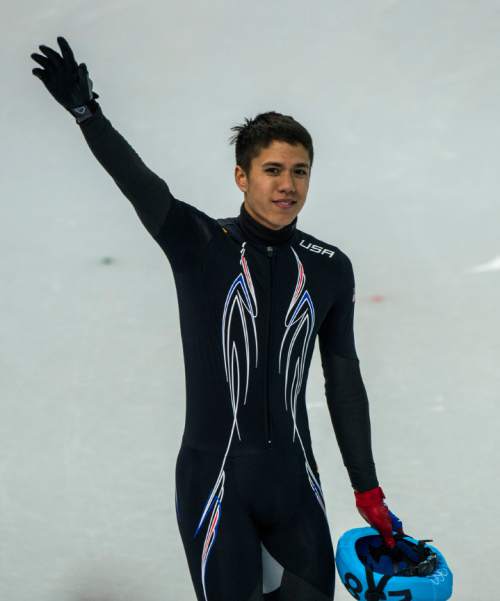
(254, 291)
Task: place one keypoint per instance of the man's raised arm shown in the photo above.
(182, 231)
(70, 84)
(148, 193)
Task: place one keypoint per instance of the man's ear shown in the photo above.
(240, 178)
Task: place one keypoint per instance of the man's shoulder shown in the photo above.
(223, 221)
(321, 247)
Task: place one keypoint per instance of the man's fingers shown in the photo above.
(66, 50)
(40, 73)
(390, 542)
(51, 54)
(41, 60)
(386, 532)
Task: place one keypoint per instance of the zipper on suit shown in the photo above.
(270, 251)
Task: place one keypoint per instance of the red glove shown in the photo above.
(372, 508)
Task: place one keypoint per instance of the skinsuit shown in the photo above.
(252, 300)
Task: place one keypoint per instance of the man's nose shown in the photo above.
(287, 181)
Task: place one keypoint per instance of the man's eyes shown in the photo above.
(302, 171)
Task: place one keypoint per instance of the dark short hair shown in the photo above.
(259, 133)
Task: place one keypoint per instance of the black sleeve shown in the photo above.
(344, 389)
(180, 229)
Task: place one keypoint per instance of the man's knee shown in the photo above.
(273, 596)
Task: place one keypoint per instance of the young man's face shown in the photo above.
(280, 172)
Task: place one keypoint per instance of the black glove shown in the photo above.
(68, 82)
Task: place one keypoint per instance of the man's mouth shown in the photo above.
(284, 204)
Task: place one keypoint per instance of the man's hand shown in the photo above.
(372, 508)
(68, 82)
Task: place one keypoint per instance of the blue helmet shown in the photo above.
(412, 571)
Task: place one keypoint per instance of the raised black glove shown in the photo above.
(68, 82)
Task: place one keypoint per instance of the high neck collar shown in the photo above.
(260, 233)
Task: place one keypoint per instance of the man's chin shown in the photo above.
(280, 221)
(275, 217)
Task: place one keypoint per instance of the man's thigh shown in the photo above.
(220, 541)
(299, 554)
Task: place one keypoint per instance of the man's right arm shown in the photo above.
(182, 231)
(148, 193)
